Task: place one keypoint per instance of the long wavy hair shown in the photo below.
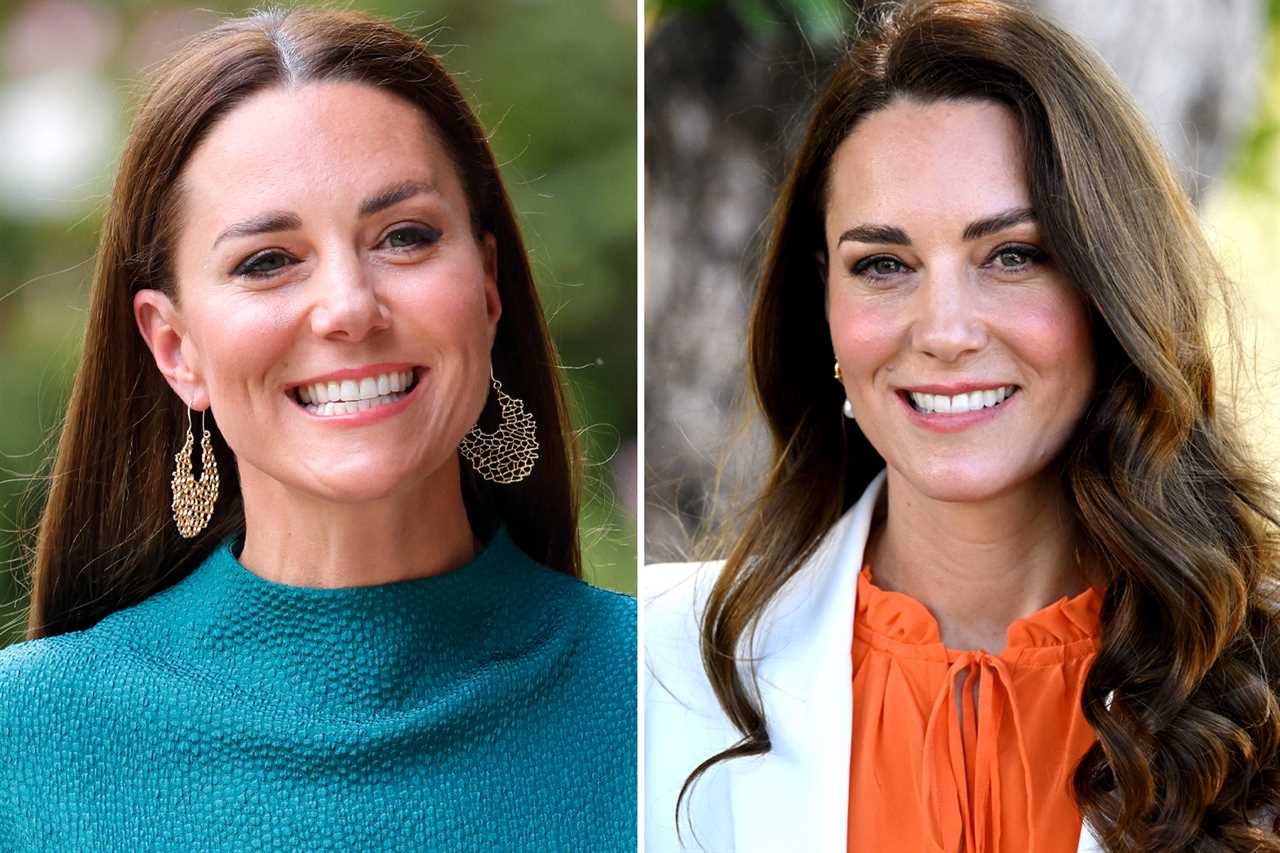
(1161, 481)
(106, 539)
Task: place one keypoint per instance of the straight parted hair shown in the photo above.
(106, 539)
(1180, 519)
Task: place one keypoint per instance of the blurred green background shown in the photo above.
(553, 82)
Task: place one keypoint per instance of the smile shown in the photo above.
(349, 396)
(960, 403)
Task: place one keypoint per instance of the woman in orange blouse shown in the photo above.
(1020, 584)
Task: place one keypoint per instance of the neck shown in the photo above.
(302, 539)
(978, 566)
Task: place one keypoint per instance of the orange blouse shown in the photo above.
(964, 750)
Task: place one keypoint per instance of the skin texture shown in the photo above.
(327, 504)
(976, 524)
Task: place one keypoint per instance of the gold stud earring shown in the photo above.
(193, 499)
(838, 376)
(505, 455)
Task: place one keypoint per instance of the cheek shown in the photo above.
(242, 337)
(447, 303)
(864, 337)
(1054, 337)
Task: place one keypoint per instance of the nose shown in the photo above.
(349, 306)
(948, 322)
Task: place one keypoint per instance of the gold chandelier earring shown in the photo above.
(505, 455)
(193, 499)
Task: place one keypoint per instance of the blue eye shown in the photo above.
(412, 237)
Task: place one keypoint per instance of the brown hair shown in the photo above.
(1160, 480)
(106, 539)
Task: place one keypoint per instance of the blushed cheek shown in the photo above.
(865, 339)
(244, 348)
(1058, 331)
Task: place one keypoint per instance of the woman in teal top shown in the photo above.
(339, 635)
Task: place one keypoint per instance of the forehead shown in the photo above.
(318, 140)
(952, 158)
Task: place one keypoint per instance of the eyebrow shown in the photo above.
(976, 230)
(287, 220)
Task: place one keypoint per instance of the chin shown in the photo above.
(364, 482)
(967, 481)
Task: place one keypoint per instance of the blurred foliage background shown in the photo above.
(553, 82)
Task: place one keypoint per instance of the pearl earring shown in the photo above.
(848, 408)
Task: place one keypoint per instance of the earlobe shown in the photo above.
(160, 324)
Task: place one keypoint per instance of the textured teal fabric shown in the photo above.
(489, 708)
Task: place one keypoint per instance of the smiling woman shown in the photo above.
(340, 635)
(1022, 595)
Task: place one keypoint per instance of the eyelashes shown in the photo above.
(403, 239)
(1009, 258)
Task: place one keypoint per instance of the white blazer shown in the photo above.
(795, 797)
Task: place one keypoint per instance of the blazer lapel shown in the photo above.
(1088, 841)
(796, 797)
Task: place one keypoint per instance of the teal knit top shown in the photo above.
(492, 707)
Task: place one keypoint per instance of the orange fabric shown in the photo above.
(927, 773)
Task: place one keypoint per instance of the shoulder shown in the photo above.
(49, 671)
(42, 688)
(598, 624)
(607, 620)
(674, 596)
(31, 669)
(596, 607)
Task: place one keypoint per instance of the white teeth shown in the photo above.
(969, 402)
(351, 395)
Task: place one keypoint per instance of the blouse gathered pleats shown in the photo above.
(958, 751)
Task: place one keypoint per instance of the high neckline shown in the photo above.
(356, 652)
(1067, 626)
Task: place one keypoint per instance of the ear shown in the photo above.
(175, 355)
(492, 301)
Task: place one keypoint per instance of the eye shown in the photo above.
(879, 266)
(1017, 258)
(411, 237)
(262, 264)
